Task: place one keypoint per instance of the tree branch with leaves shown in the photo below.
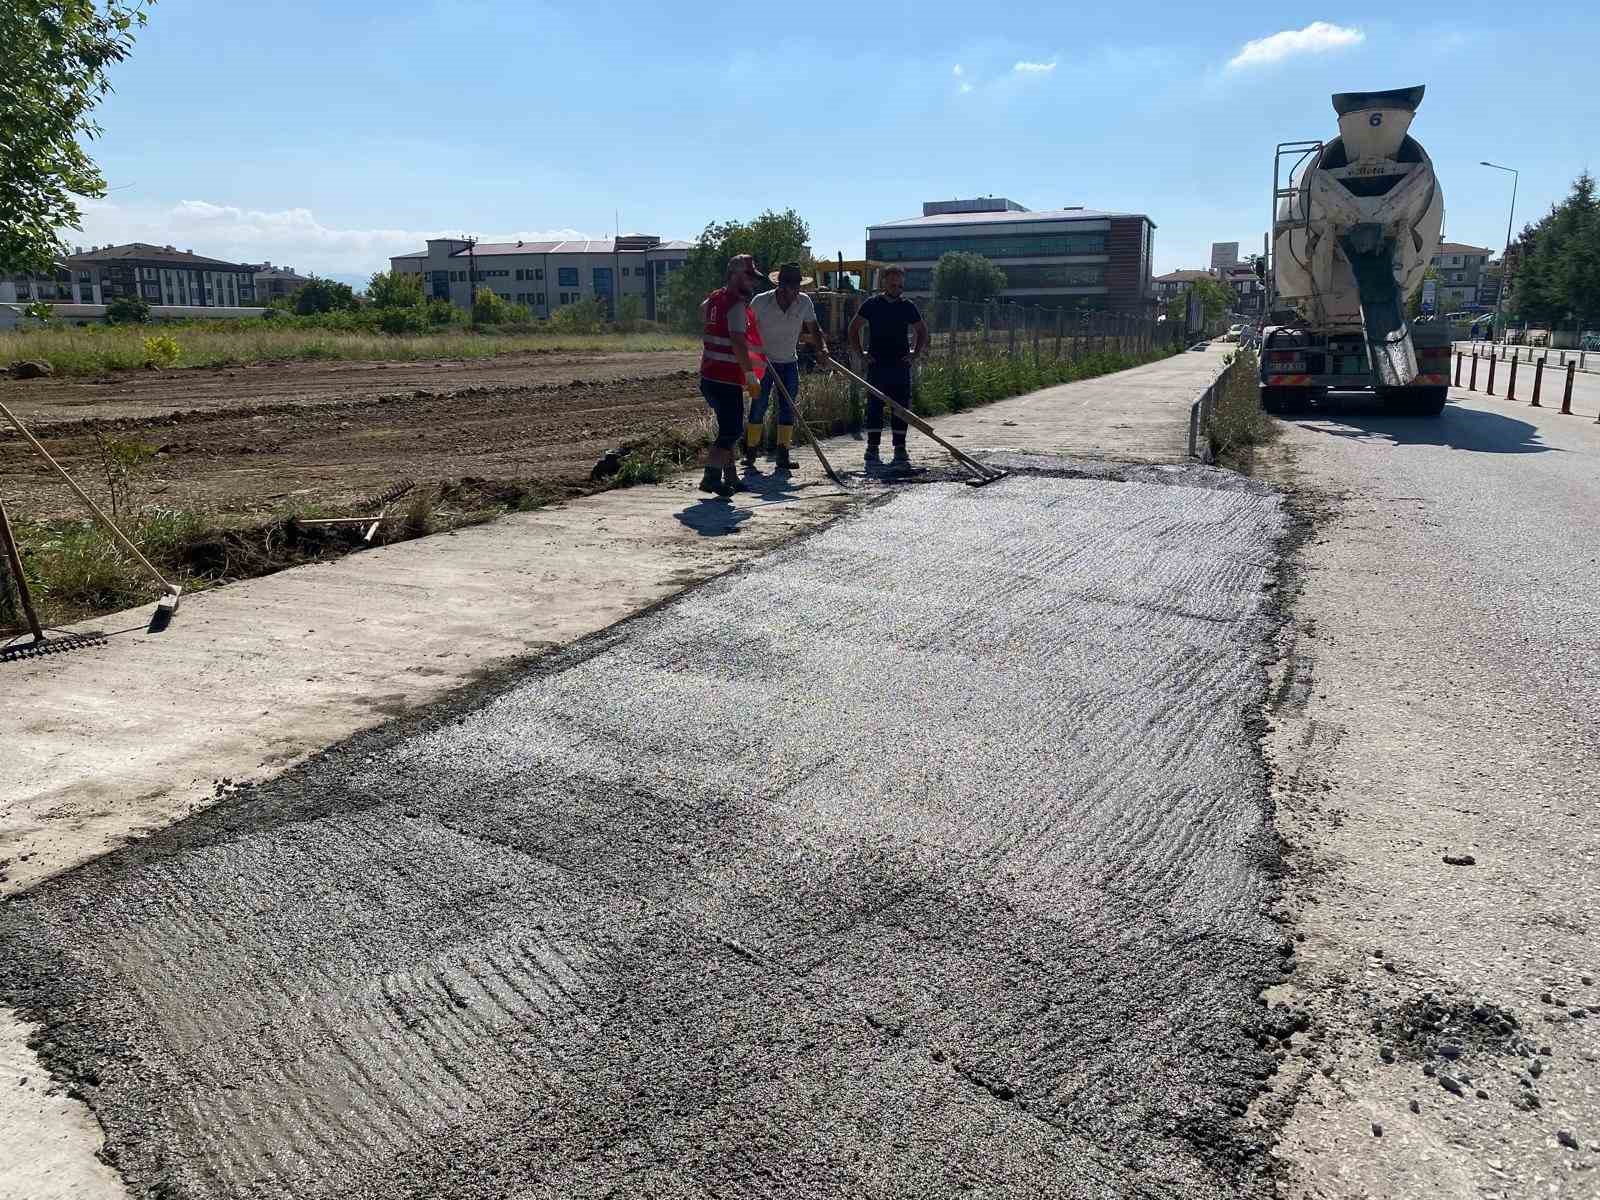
(54, 71)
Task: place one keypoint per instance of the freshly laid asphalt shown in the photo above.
(929, 855)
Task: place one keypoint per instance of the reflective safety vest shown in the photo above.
(717, 359)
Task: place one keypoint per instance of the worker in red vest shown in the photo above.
(731, 365)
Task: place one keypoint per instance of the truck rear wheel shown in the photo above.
(1414, 401)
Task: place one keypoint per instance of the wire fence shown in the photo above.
(964, 327)
(986, 351)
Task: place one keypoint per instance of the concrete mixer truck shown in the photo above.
(1355, 222)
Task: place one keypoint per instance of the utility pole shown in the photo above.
(472, 271)
(1505, 255)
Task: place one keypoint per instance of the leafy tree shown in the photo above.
(324, 295)
(962, 276)
(1216, 298)
(394, 289)
(55, 70)
(127, 310)
(1558, 279)
(773, 238)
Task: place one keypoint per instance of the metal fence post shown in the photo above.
(1538, 384)
(1060, 320)
(1011, 330)
(1511, 384)
(1490, 389)
(1458, 370)
(1472, 385)
(1566, 396)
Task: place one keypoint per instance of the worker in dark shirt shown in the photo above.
(891, 356)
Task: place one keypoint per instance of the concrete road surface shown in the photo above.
(927, 856)
(1436, 753)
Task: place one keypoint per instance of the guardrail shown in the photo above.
(1200, 411)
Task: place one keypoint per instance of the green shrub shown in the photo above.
(398, 321)
(127, 310)
(162, 350)
(586, 316)
(489, 309)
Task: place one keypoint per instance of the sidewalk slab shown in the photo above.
(107, 744)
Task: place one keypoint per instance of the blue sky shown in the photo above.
(330, 134)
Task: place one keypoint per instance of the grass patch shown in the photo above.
(1238, 424)
(95, 349)
(75, 571)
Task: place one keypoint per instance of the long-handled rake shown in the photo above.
(168, 604)
(800, 419)
(985, 475)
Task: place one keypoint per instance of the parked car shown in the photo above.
(1233, 333)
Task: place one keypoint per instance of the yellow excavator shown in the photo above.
(837, 290)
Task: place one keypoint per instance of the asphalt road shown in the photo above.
(929, 855)
(1436, 762)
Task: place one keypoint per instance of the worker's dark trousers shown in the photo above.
(895, 382)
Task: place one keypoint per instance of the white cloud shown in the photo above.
(293, 235)
(1319, 37)
(1034, 68)
(956, 71)
(966, 87)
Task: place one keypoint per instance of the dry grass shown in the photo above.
(1238, 424)
(92, 349)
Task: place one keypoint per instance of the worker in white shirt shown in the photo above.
(783, 314)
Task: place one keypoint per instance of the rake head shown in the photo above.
(61, 643)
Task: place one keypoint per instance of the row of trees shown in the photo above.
(1558, 280)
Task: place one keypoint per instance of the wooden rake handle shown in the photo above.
(916, 422)
(110, 525)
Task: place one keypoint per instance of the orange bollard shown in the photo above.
(1511, 384)
(1566, 397)
(1538, 381)
(1490, 388)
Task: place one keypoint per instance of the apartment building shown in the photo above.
(160, 275)
(276, 283)
(546, 276)
(1459, 268)
(1065, 257)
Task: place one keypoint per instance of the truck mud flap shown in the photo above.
(1389, 345)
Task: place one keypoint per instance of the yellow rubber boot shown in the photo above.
(752, 443)
(785, 440)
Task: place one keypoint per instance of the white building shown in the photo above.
(546, 276)
(159, 275)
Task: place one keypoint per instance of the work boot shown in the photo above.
(873, 459)
(901, 460)
(749, 456)
(782, 460)
(731, 481)
(711, 482)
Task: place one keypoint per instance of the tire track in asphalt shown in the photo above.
(929, 853)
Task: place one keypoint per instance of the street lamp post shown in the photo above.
(1505, 255)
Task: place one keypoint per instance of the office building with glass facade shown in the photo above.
(1063, 258)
